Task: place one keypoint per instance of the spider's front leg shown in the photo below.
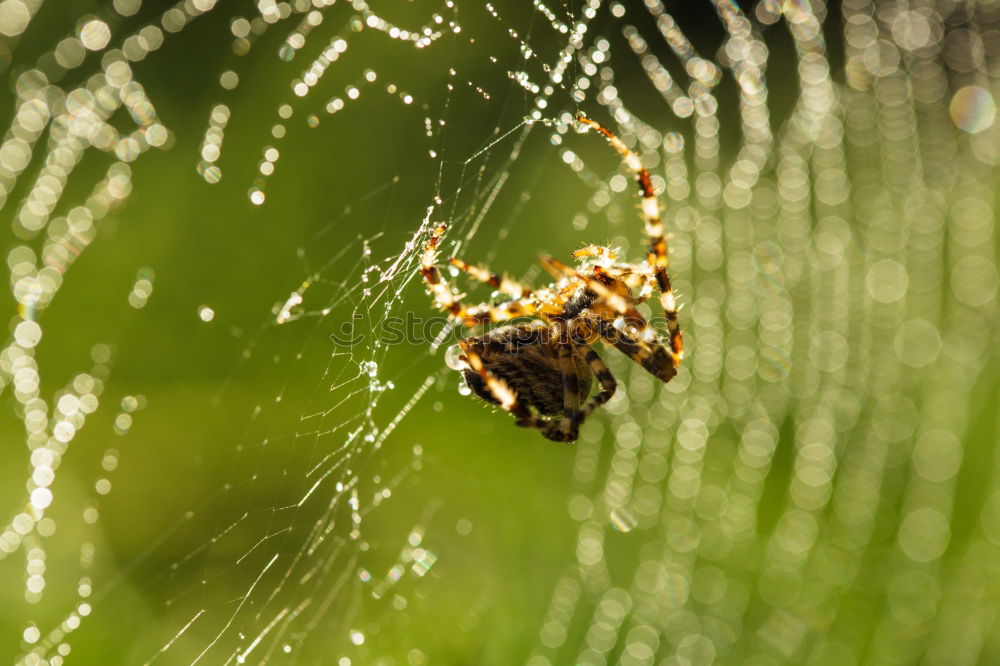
(446, 299)
(656, 257)
(649, 352)
(483, 274)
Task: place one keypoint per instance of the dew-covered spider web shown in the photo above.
(230, 434)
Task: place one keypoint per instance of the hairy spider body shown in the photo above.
(521, 355)
(543, 372)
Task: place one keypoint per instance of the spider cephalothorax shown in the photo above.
(543, 371)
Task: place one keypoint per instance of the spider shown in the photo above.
(541, 371)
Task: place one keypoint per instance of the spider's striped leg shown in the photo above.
(657, 254)
(484, 313)
(648, 351)
(444, 295)
(618, 270)
(602, 251)
(567, 428)
(572, 390)
(604, 377)
(446, 298)
(503, 284)
(669, 304)
(634, 279)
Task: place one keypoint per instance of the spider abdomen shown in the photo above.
(522, 356)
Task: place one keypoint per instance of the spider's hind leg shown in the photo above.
(567, 429)
(576, 385)
(504, 395)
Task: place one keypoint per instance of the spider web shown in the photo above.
(294, 475)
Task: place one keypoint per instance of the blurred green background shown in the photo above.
(817, 486)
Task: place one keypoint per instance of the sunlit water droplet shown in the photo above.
(453, 358)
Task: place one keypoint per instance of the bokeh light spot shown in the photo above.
(973, 109)
(94, 34)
